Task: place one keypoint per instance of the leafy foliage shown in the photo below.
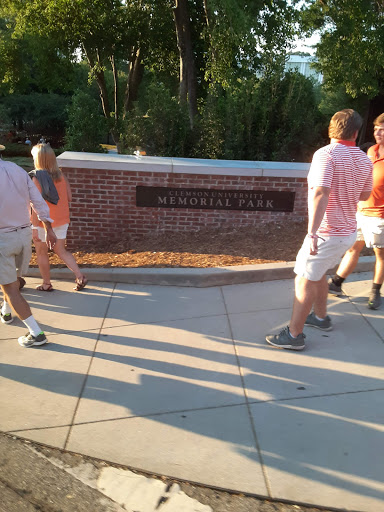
(273, 118)
(268, 119)
(159, 124)
(37, 112)
(351, 49)
(86, 125)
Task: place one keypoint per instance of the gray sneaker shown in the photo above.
(29, 340)
(333, 288)
(285, 340)
(323, 325)
(374, 299)
(7, 318)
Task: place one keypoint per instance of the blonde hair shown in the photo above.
(379, 120)
(344, 124)
(44, 158)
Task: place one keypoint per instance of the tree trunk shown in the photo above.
(100, 80)
(116, 87)
(135, 76)
(187, 61)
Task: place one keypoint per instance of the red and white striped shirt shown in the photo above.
(347, 171)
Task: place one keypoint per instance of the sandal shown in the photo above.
(22, 282)
(49, 287)
(80, 283)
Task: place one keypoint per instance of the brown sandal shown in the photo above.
(42, 289)
(22, 282)
(80, 283)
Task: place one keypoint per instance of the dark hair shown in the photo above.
(344, 124)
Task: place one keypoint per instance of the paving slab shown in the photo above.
(212, 446)
(327, 450)
(65, 310)
(146, 369)
(357, 287)
(146, 304)
(180, 382)
(40, 386)
(259, 296)
(349, 358)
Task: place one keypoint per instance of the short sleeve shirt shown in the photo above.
(374, 206)
(347, 171)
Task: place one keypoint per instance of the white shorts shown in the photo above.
(370, 230)
(330, 252)
(60, 232)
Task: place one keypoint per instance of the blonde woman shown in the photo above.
(56, 191)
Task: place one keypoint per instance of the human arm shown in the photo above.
(40, 211)
(368, 186)
(364, 196)
(316, 213)
(35, 221)
(50, 235)
(35, 225)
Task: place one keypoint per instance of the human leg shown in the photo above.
(44, 267)
(378, 276)
(13, 297)
(310, 286)
(68, 258)
(292, 337)
(374, 299)
(35, 336)
(306, 292)
(346, 267)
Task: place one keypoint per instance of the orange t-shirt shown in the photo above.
(59, 212)
(374, 206)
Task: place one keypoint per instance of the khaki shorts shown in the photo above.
(330, 252)
(60, 232)
(15, 254)
(370, 230)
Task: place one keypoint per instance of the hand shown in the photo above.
(313, 246)
(35, 235)
(51, 239)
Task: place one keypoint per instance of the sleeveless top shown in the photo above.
(58, 212)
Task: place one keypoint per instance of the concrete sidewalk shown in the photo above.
(179, 381)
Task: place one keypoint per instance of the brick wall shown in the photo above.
(104, 201)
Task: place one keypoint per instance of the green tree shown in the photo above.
(86, 125)
(32, 63)
(351, 49)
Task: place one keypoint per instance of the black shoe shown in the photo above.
(333, 288)
(374, 299)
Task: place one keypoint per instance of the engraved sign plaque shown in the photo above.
(214, 199)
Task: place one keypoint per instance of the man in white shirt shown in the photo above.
(17, 194)
(339, 177)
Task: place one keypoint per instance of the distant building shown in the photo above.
(302, 64)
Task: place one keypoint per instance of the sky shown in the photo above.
(304, 45)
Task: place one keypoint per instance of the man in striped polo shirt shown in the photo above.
(339, 177)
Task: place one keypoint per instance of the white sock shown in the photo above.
(6, 309)
(291, 335)
(32, 325)
(317, 318)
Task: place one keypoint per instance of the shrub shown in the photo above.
(274, 118)
(159, 124)
(86, 125)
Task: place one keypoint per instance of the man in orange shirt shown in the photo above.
(370, 222)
